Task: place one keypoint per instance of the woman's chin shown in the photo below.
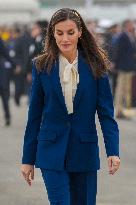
(64, 50)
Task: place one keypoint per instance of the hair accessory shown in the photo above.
(75, 12)
(70, 11)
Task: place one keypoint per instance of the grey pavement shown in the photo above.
(119, 189)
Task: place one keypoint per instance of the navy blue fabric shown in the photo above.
(125, 59)
(53, 137)
(70, 188)
(4, 56)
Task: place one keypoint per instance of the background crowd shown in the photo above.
(19, 44)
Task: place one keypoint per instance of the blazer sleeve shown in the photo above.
(34, 119)
(105, 111)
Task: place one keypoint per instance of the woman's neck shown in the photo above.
(70, 56)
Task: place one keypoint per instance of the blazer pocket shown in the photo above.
(88, 137)
(45, 135)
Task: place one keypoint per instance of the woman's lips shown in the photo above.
(65, 46)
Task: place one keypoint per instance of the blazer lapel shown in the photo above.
(57, 85)
(79, 91)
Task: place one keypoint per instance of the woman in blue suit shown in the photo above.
(70, 84)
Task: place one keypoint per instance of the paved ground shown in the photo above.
(112, 190)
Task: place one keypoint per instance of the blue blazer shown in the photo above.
(49, 126)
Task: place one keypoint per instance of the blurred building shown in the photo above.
(114, 1)
(18, 11)
(63, 3)
(26, 11)
(114, 10)
(83, 2)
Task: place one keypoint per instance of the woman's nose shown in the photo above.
(65, 38)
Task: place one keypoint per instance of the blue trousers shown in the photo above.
(70, 188)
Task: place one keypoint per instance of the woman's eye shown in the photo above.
(59, 34)
(71, 33)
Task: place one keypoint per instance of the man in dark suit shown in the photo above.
(6, 64)
(110, 39)
(36, 46)
(22, 55)
(125, 65)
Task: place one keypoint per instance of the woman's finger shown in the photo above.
(110, 163)
(27, 176)
(24, 174)
(114, 169)
(28, 179)
(32, 174)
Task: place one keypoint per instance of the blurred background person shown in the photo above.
(6, 64)
(125, 63)
(91, 26)
(38, 32)
(110, 44)
(22, 44)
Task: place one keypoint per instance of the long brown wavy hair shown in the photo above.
(94, 55)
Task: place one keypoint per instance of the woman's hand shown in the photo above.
(28, 173)
(113, 164)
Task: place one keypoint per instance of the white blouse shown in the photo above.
(69, 78)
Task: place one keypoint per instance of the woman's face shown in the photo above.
(66, 35)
